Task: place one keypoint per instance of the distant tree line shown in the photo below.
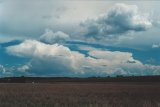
(118, 78)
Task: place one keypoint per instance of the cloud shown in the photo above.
(50, 37)
(22, 19)
(59, 60)
(115, 57)
(2, 69)
(47, 58)
(31, 18)
(86, 48)
(6, 71)
(156, 46)
(120, 19)
(23, 68)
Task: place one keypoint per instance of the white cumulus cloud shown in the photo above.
(54, 37)
(59, 60)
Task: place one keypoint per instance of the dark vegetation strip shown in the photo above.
(80, 80)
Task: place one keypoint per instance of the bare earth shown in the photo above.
(80, 95)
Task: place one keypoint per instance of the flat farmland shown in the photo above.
(109, 94)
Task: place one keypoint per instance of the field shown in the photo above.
(80, 95)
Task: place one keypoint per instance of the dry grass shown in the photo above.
(80, 95)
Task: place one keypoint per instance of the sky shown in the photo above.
(78, 38)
